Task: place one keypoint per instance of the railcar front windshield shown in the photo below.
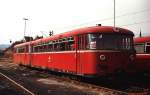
(110, 41)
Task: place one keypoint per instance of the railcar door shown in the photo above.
(25, 55)
(81, 46)
(30, 54)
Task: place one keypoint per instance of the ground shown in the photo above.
(42, 83)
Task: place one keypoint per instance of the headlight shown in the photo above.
(131, 57)
(102, 57)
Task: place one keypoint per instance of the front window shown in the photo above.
(140, 48)
(110, 41)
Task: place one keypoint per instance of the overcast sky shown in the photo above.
(64, 15)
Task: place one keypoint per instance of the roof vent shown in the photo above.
(98, 25)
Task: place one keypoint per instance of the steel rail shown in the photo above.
(18, 86)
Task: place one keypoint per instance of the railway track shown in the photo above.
(85, 84)
(132, 90)
(103, 89)
(16, 85)
(97, 88)
(74, 83)
(22, 72)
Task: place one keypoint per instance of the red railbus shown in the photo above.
(142, 46)
(89, 51)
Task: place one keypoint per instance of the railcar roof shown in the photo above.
(22, 44)
(93, 29)
(142, 39)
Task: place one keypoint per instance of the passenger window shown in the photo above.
(56, 45)
(148, 43)
(50, 46)
(40, 48)
(21, 50)
(70, 43)
(147, 48)
(35, 49)
(62, 46)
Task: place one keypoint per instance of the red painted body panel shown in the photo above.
(142, 59)
(39, 60)
(114, 61)
(142, 39)
(62, 61)
(87, 62)
(142, 62)
(22, 58)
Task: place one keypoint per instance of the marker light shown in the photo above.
(102, 57)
